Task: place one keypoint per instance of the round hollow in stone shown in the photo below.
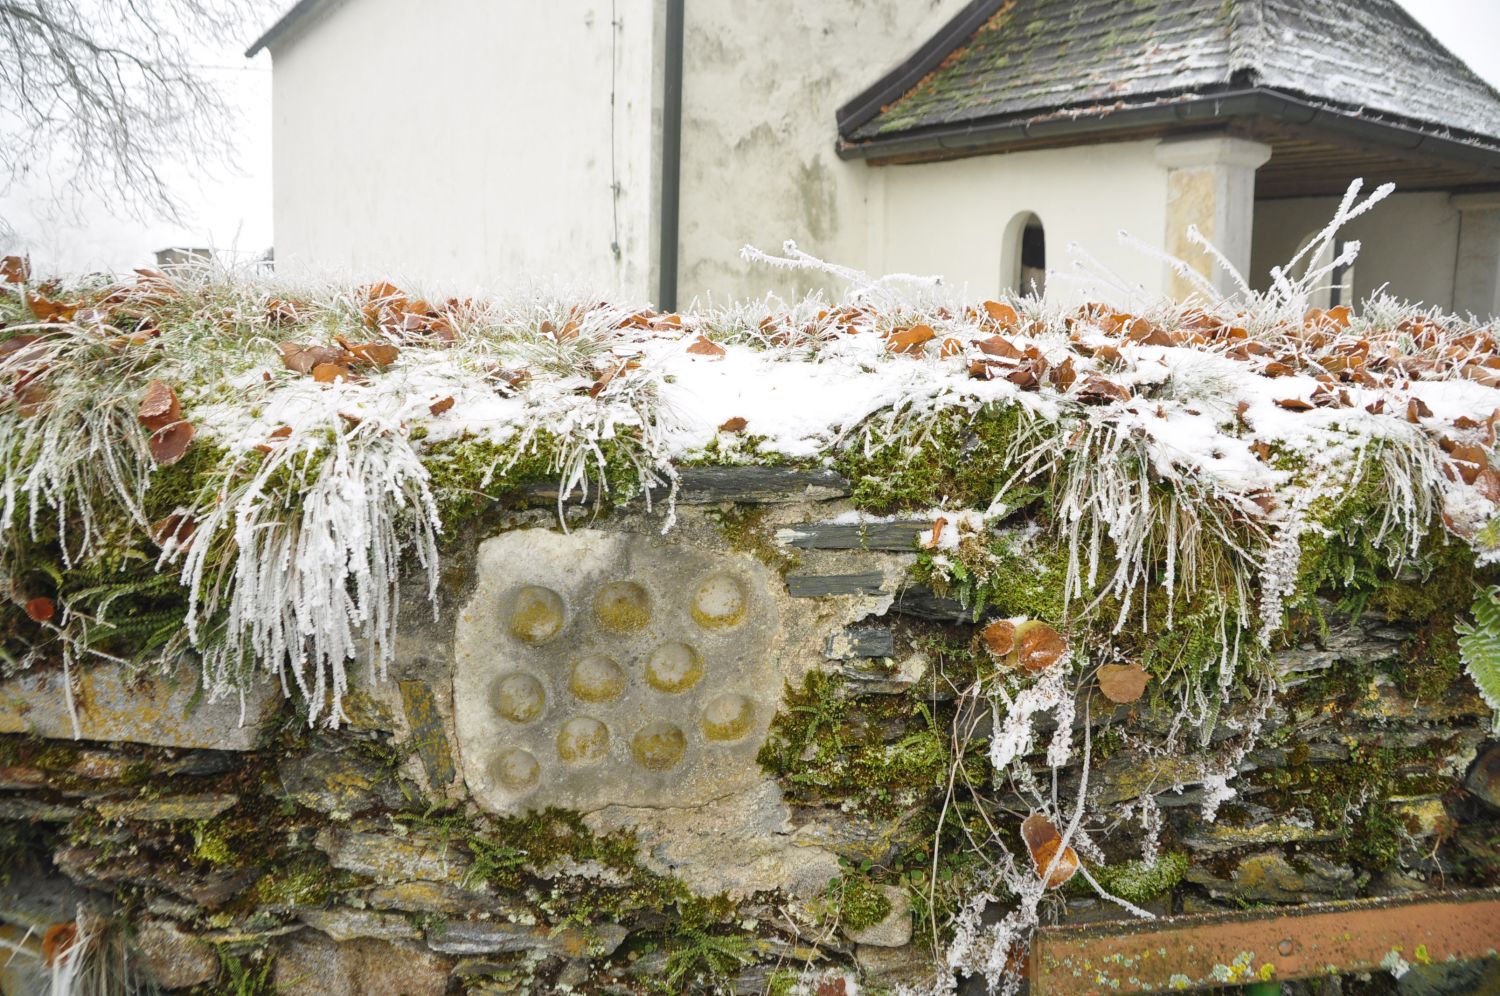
(536, 614)
(622, 606)
(516, 769)
(596, 678)
(659, 746)
(719, 602)
(518, 697)
(674, 667)
(582, 739)
(728, 717)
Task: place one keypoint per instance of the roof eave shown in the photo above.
(286, 23)
(999, 134)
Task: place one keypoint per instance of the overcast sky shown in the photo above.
(232, 210)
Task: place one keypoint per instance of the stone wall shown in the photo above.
(722, 757)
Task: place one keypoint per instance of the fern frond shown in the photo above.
(1479, 647)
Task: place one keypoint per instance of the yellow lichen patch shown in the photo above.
(622, 606)
(536, 614)
(519, 697)
(582, 739)
(659, 746)
(674, 667)
(596, 678)
(719, 602)
(516, 769)
(728, 717)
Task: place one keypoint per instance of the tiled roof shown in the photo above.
(1018, 58)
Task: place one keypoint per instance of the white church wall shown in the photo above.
(960, 218)
(761, 87)
(465, 143)
(1409, 243)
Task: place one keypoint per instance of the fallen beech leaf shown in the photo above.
(735, 424)
(1278, 369)
(1002, 314)
(57, 940)
(1038, 646)
(997, 345)
(40, 609)
(1261, 449)
(376, 354)
(328, 373)
(1095, 390)
(441, 405)
(159, 408)
(1376, 407)
(15, 269)
(1063, 375)
(1123, 682)
(1416, 409)
(281, 432)
(1487, 483)
(937, 532)
(1044, 842)
(301, 359)
(1471, 461)
(950, 347)
(174, 530)
(169, 443)
(610, 374)
(704, 346)
(907, 340)
(1295, 404)
(999, 637)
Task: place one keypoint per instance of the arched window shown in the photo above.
(1023, 260)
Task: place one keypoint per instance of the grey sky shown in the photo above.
(232, 211)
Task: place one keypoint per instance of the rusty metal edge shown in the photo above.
(1210, 949)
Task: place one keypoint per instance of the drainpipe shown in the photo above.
(671, 156)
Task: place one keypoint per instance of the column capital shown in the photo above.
(1211, 150)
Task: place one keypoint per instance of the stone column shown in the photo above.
(1210, 184)
(1476, 276)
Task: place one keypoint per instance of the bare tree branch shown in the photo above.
(108, 92)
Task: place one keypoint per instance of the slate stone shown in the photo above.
(819, 585)
(750, 485)
(860, 641)
(388, 858)
(339, 783)
(479, 937)
(920, 601)
(177, 807)
(1483, 781)
(310, 964)
(344, 924)
(900, 537)
(427, 731)
(112, 705)
(176, 959)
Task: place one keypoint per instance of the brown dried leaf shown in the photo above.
(1095, 390)
(735, 424)
(376, 354)
(908, 340)
(1038, 646)
(1043, 842)
(999, 637)
(1295, 404)
(704, 346)
(1416, 409)
(1123, 682)
(1002, 314)
(169, 443)
(998, 345)
(328, 373)
(159, 408)
(937, 532)
(1471, 461)
(441, 405)
(15, 269)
